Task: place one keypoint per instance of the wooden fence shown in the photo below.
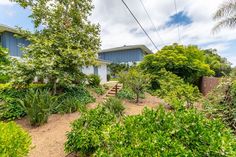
(208, 84)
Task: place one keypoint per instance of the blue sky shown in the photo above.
(118, 28)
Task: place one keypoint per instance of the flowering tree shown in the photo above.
(63, 41)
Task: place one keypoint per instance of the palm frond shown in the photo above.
(225, 10)
(227, 22)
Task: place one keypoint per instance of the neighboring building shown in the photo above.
(100, 70)
(125, 54)
(9, 41)
(14, 44)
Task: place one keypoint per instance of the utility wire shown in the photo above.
(139, 24)
(152, 22)
(178, 23)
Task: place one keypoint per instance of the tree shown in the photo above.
(4, 64)
(64, 41)
(233, 72)
(188, 62)
(225, 15)
(137, 81)
(218, 64)
(115, 68)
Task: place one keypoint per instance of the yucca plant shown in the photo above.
(37, 104)
(114, 105)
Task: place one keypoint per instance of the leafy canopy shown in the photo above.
(219, 65)
(64, 41)
(188, 62)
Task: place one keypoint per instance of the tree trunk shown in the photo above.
(137, 97)
(55, 87)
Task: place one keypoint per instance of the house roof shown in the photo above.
(100, 61)
(129, 47)
(4, 28)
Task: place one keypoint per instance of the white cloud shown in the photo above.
(119, 28)
(6, 2)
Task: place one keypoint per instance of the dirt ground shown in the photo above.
(131, 108)
(48, 140)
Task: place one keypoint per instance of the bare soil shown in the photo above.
(132, 108)
(48, 140)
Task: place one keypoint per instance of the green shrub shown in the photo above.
(108, 77)
(94, 80)
(163, 133)
(74, 99)
(81, 93)
(173, 87)
(115, 106)
(37, 104)
(126, 93)
(153, 133)
(85, 136)
(68, 105)
(99, 90)
(14, 141)
(10, 107)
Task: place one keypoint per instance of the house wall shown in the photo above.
(124, 56)
(13, 44)
(101, 71)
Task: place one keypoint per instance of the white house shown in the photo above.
(100, 70)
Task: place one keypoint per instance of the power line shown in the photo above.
(151, 21)
(140, 24)
(178, 23)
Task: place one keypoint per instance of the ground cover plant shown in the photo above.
(153, 133)
(14, 141)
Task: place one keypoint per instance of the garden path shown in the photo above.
(48, 140)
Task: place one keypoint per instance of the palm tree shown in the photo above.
(225, 15)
